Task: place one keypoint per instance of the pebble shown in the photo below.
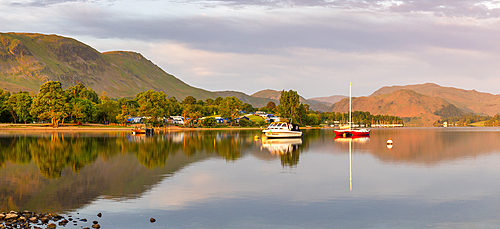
(10, 216)
(27, 219)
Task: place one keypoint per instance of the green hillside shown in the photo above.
(29, 60)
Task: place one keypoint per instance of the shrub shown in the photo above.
(210, 122)
(244, 122)
(262, 123)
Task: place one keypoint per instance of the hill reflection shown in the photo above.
(432, 146)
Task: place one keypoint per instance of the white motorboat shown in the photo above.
(282, 130)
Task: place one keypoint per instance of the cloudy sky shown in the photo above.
(315, 47)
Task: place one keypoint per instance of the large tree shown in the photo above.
(152, 104)
(289, 105)
(50, 103)
(5, 115)
(230, 107)
(189, 100)
(81, 92)
(83, 110)
(128, 108)
(107, 109)
(20, 105)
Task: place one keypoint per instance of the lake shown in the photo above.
(431, 177)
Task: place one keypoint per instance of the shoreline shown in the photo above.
(102, 128)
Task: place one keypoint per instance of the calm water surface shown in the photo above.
(432, 177)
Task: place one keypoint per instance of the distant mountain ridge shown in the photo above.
(330, 99)
(469, 101)
(417, 108)
(255, 101)
(423, 104)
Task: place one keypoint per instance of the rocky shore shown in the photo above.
(33, 220)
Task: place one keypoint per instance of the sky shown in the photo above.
(315, 47)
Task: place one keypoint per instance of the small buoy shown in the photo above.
(389, 144)
(256, 137)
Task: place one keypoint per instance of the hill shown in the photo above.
(329, 100)
(269, 94)
(28, 60)
(255, 101)
(414, 108)
(469, 101)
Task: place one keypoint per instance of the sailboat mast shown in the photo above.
(350, 107)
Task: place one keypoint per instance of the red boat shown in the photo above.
(352, 133)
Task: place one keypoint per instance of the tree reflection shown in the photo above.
(225, 144)
(288, 149)
(290, 159)
(52, 153)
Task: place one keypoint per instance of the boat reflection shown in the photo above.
(282, 146)
(286, 149)
(353, 139)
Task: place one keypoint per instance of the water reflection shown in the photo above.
(65, 171)
(287, 149)
(350, 141)
(431, 146)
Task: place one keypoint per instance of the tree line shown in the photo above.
(468, 119)
(79, 104)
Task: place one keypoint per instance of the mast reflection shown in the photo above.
(360, 140)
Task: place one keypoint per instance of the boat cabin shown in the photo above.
(283, 126)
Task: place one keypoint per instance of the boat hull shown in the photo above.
(352, 133)
(282, 134)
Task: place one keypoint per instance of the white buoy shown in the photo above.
(389, 143)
